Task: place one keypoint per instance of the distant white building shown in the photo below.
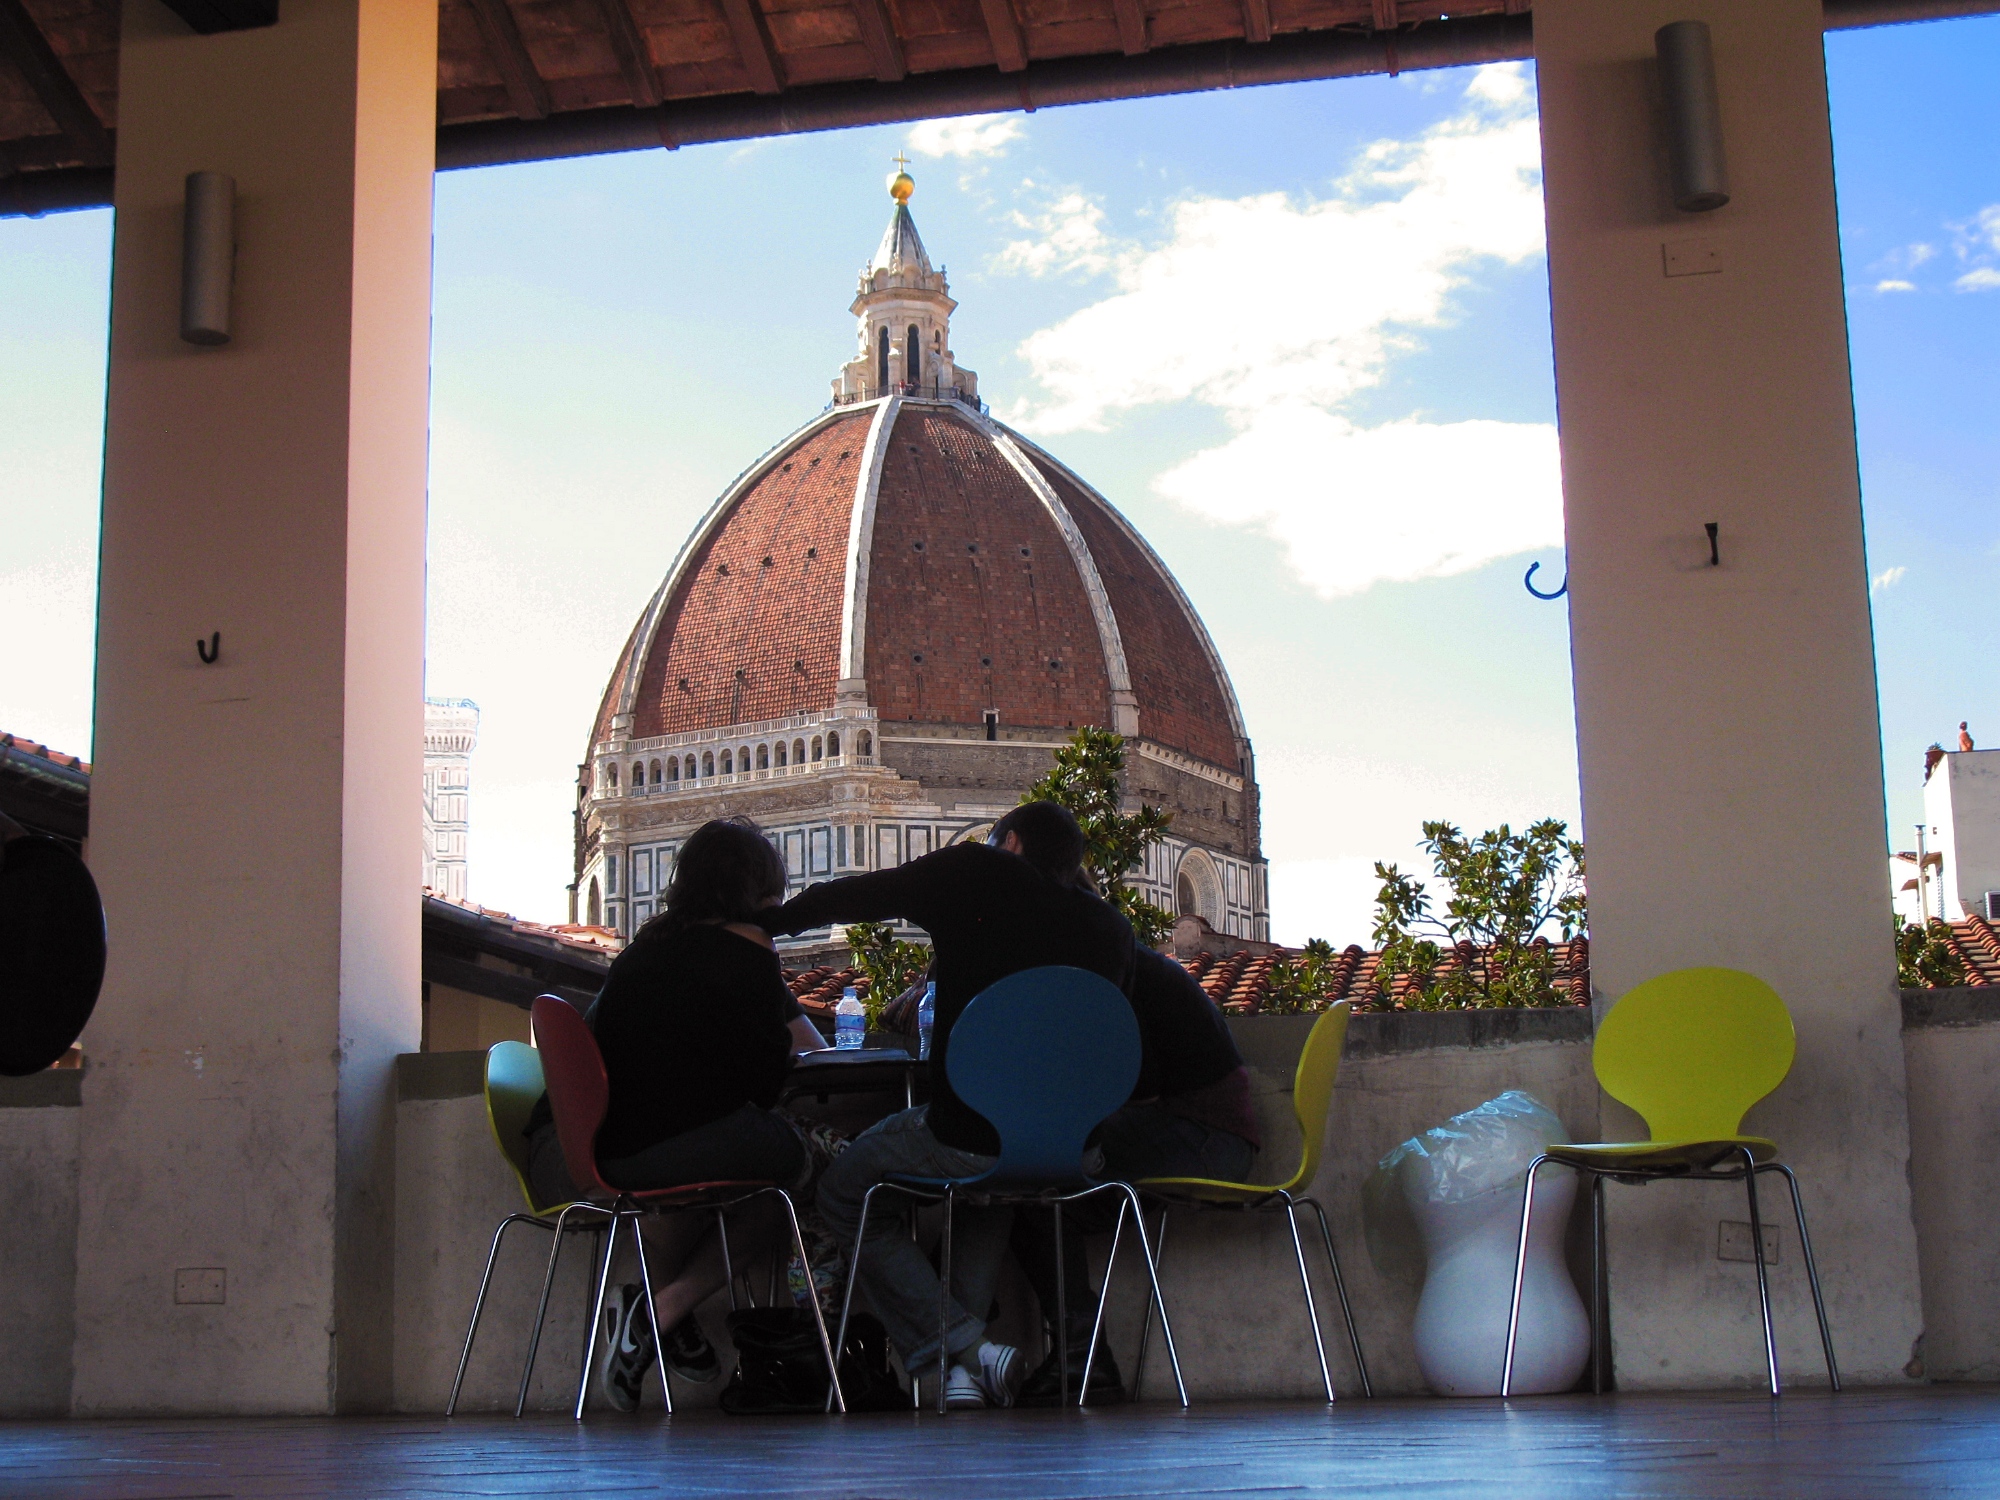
(451, 732)
(1962, 821)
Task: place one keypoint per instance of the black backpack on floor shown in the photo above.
(781, 1371)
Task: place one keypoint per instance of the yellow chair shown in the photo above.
(513, 1085)
(1312, 1093)
(1690, 1052)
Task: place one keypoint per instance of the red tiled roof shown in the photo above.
(23, 746)
(1977, 944)
(602, 941)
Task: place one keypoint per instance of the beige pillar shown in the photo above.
(255, 821)
(1726, 716)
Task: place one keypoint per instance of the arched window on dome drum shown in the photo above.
(708, 763)
(593, 911)
(1184, 902)
(673, 768)
(656, 773)
(728, 766)
(832, 746)
(781, 752)
(638, 774)
(913, 356)
(867, 745)
(763, 757)
(612, 771)
(798, 752)
(882, 360)
(816, 747)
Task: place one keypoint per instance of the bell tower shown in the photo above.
(904, 309)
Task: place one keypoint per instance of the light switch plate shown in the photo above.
(201, 1284)
(1691, 258)
(1732, 1242)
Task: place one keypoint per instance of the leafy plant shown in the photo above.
(891, 964)
(1924, 957)
(1304, 983)
(1087, 778)
(1505, 888)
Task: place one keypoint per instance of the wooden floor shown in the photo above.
(1943, 1441)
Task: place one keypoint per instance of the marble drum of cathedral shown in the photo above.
(877, 636)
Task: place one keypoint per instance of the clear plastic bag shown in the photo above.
(1472, 1153)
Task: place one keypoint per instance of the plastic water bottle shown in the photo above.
(926, 1013)
(850, 1021)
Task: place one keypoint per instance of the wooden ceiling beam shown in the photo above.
(878, 35)
(1385, 16)
(23, 43)
(1256, 20)
(526, 92)
(1003, 29)
(752, 34)
(628, 44)
(1132, 26)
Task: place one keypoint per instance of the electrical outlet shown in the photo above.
(1732, 1242)
(201, 1284)
(1691, 258)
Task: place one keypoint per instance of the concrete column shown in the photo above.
(256, 821)
(1726, 716)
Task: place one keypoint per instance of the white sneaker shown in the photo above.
(963, 1391)
(1000, 1373)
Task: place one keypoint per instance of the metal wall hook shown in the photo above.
(1529, 580)
(210, 650)
(1714, 552)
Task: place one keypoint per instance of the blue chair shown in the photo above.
(1046, 1055)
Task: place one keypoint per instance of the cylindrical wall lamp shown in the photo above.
(208, 257)
(1694, 116)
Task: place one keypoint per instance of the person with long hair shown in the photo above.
(698, 1030)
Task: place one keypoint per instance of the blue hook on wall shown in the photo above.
(1529, 580)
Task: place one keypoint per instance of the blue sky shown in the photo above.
(1318, 379)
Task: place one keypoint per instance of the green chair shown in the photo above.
(513, 1085)
(1690, 1052)
(1312, 1094)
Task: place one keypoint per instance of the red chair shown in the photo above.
(579, 1095)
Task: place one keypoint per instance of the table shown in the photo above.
(859, 1070)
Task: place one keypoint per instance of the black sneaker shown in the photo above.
(689, 1353)
(627, 1342)
(1044, 1387)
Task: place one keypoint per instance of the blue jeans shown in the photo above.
(895, 1277)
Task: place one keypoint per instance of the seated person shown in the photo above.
(1191, 1115)
(698, 1030)
(1017, 902)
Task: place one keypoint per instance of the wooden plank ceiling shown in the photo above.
(531, 60)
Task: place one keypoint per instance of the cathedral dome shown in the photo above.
(878, 634)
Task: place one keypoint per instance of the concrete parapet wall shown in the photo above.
(38, 1183)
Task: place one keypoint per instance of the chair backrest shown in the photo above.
(579, 1092)
(1045, 1055)
(1692, 1050)
(1312, 1087)
(513, 1084)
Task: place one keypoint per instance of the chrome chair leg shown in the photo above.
(728, 1270)
(944, 1298)
(479, 1302)
(542, 1308)
(1159, 1301)
(1520, 1267)
(854, 1275)
(1305, 1283)
(652, 1313)
(1096, 1322)
(1340, 1289)
(1146, 1308)
(1812, 1269)
(1596, 1283)
(812, 1293)
(597, 1310)
(1763, 1275)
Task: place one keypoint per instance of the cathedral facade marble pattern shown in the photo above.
(879, 634)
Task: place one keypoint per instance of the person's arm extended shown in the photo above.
(912, 891)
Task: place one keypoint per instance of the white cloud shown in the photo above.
(1888, 578)
(968, 135)
(1977, 243)
(1278, 311)
(1894, 285)
(1069, 237)
(1981, 279)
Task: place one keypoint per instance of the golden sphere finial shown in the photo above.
(902, 184)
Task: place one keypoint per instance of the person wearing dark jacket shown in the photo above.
(1191, 1115)
(697, 1029)
(1019, 901)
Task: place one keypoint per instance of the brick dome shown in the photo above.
(913, 556)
